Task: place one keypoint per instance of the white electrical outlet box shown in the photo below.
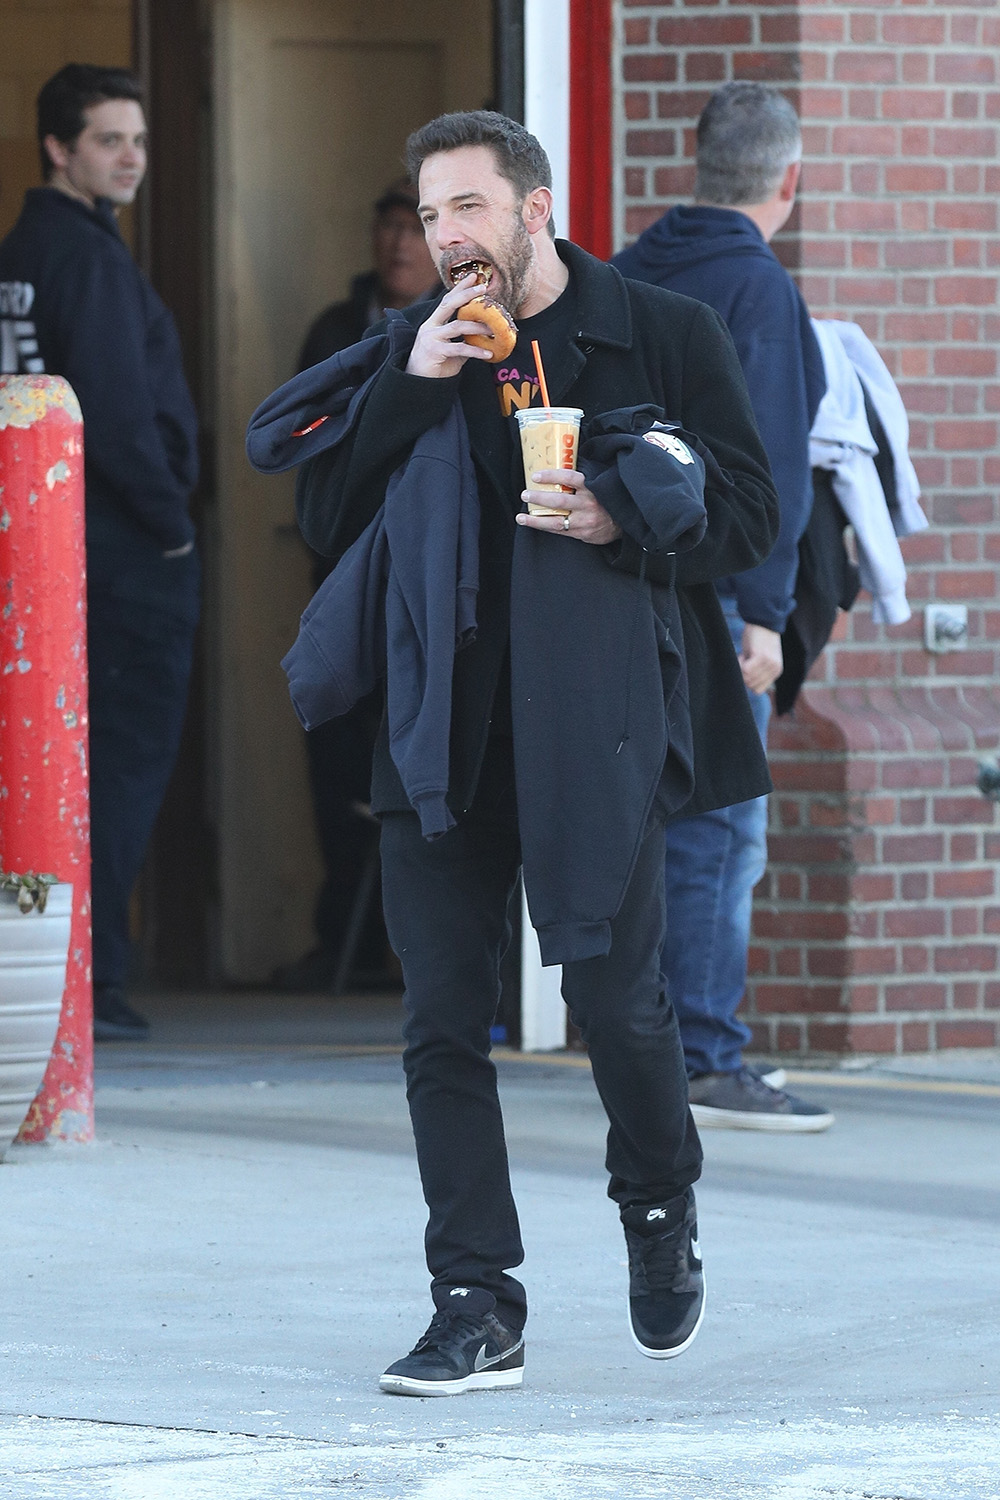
(946, 627)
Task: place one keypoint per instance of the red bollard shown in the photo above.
(44, 811)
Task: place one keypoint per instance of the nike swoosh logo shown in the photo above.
(482, 1362)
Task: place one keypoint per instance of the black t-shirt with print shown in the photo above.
(516, 377)
(516, 386)
(515, 380)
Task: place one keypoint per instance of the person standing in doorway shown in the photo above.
(749, 157)
(97, 321)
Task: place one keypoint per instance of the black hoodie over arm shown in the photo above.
(337, 493)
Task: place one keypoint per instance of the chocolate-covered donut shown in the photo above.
(503, 330)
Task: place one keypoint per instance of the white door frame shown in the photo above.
(546, 115)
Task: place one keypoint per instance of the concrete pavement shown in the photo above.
(199, 1305)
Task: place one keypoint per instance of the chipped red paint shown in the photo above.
(44, 814)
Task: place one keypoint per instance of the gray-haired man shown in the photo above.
(749, 158)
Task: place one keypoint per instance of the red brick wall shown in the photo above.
(877, 927)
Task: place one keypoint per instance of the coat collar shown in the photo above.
(603, 316)
(46, 199)
(603, 310)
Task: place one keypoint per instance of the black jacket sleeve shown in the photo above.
(106, 348)
(742, 510)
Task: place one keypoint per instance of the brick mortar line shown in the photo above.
(747, 11)
(809, 47)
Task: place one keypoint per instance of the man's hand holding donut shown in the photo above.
(586, 521)
(438, 351)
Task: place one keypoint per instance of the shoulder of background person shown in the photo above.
(765, 294)
(341, 324)
(415, 314)
(54, 228)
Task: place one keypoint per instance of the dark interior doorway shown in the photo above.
(178, 903)
(176, 898)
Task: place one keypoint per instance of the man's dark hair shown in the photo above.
(520, 158)
(748, 134)
(72, 90)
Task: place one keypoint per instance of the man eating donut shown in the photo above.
(607, 346)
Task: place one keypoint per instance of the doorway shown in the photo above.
(312, 103)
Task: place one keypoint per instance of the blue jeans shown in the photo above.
(714, 860)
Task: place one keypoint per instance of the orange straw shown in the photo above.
(541, 373)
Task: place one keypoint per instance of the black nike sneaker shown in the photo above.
(666, 1282)
(465, 1348)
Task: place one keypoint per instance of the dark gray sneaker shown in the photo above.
(666, 1294)
(744, 1101)
(464, 1349)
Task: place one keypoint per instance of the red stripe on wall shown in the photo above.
(590, 125)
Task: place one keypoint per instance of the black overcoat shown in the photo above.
(636, 344)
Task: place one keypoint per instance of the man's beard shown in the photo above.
(511, 264)
(512, 275)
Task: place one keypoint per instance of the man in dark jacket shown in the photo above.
(339, 752)
(90, 315)
(748, 161)
(606, 344)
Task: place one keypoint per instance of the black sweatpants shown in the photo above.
(445, 905)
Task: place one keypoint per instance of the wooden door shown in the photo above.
(313, 102)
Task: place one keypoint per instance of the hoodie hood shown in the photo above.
(688, 235)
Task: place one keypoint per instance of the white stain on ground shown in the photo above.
(802, 1460)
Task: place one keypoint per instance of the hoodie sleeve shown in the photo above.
(743, 511)
(338, 492)
(105, 329)
(778, 352)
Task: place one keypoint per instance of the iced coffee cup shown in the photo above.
(549, 439)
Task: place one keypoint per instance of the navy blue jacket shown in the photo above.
(85, 311)
(719, 256)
